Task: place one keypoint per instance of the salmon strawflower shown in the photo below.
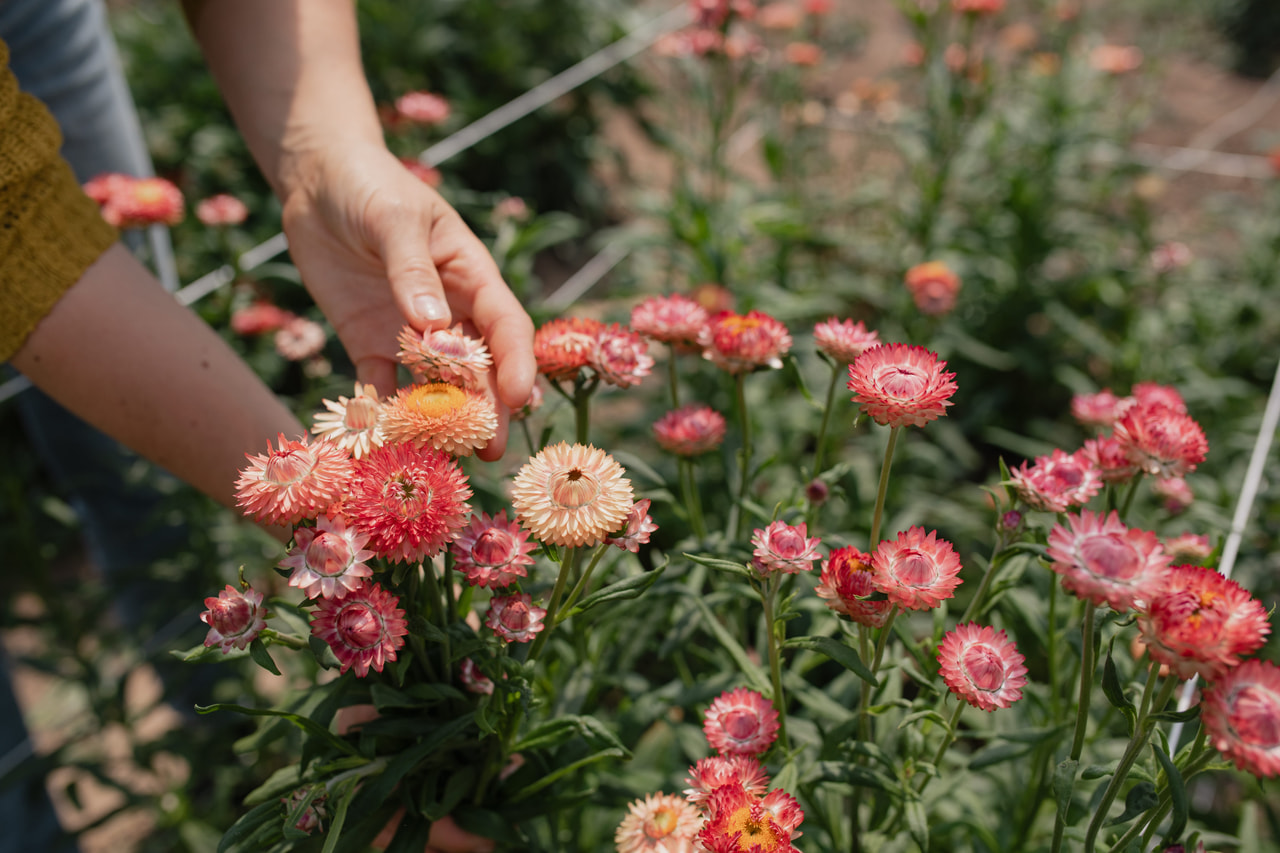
(1175, 493)
(444, 355)
(447, 417)
(738, 822)
(933, 286)
(899, 385)
(717, 771)
(235, 618)
(780, 16)
(1241, 714)
(129, 202)
(1161, 441)
(259, 318)
(1155, 394)
(636, 530)
(422, 108)
(1110, 459)
(1099, 410)
(977, 7)
(781, 547)
(352, 423)
(659, 823)
(740, 343)
(1103, 561)
(514, 618)
(492, 552)
(690, 430)
(1202, 623)
(741, 722)
(1057, 482)
(221, 210)
(564, 346)
(916, 571)
(328, 560)
(844, 340)
(847, 587)
(621, 357)
(364, 628)
(293, 481)
(411, 501)
(674, 319)
(982, 666)
(300, 339)
(571, 495)
(1188, 548)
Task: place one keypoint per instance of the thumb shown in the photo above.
(415, 283)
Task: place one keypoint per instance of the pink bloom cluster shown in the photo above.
(617, 355)
(129, 202)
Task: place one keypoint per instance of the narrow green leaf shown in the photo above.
(551, 777)
(918, 823)
(627, 588)
(998, 753)
(722, 565)
(248, 824)
(1176, 716)
(749, 668)
(308, 725)
(1142, 797)
(838, 652)
(1114, 691)
(339, 819)
(1064, 782)
(1177, 795)
(258, 651)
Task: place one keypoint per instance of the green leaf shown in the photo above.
(627, 588)
(753, 672)
(375, 792)
(339, 818)
(249, 824)
(1064, 782)
(1176, 716)
(631, 462)
(838, 652)
(1177, 795)
(205, 654)
(308, 725)
(560, 772)
(1142, 797)
(723, 565)
(1112, 689)
(258, 651)
(918, 823)
(322, 653)
(998, 753)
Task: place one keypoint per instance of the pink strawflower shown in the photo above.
(977, 7)
(916, 571)
(571, 495)
(847, 587)
(803, 53)
(294, 481)
(819, 7)
(674, 319)
(1175, 492)
(636, 530)
(1115, 58)
(1170, 256)
(738, 822)
(328, 560)
(1100, 409)
(129, 202)
(364, 628)
(473, 679)
(102, 188)
(563, 347)
(780, 16)
(259, 318)
(1106, 455)
(422, 108)
(1162, 441)
(659, 823)
(741, 722)
(312, 817)
(1057, 482)
(447, 417)
(300, 339)
(514, 617)
(783, 548)
(1202, 623)
(221, 210)
(1188, 548)
(352, 423)
(934, 287)
(1103, 561)
(235, 618)
(899, 385)
(511, 209)
(742, 342)
(411, 501)
(844, 340)
(690, 430)
(444, 355)
(429, 175)
(1241, 714)
(1154, 394)
(981, 666)
(492, 552)
(621, 356)
(707, 774)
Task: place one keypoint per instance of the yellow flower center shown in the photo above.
(757, 832)
(436, 400)
(661, 823)
(739, 324)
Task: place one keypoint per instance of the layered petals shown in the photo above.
(571, 495)
(365, 628)
(1103, 561)
(916, 571)
(741, 722)
(1241, 713)
(982, 666)
(293, 481)
(899, 385)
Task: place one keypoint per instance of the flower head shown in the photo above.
(1188, 548)
(1175, 492)
(221, 210)
(741, 722)
(803, 53)
(847, 585)
(1098, 410)
(235, 618)
(313, 814)
(1109, 458)
(259, 318)
(492, 552)
(446, 417)
(514, 618)
(563, 347)
(129, 202)
(1161, 441)
(783, 548)
(844, 340)
(916, 571)
(742, 342)
(659, 823)
(933, 287)
(444, 355)
(1202, 623)
(300, 339)
(411, 501)
(364, 628)
(422, 108)
(717, 771)
(690, 430)
(637, 529)
(473, 679)
(674, 319)
(900, 385)
(571, 495)
(982, 667)
(738, 822)
(1057, 482)
(1115, 58)
(1103, 561)
(621, 356)
(352, 423)
(1241, 713)
(328, 560)
(297, 480)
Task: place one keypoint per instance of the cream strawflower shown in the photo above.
(444, 355)
(659, 823)
(352, 423)
(293, 481)
(571, 495)
(446, 417)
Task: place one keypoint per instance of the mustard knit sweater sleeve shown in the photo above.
(50, 231)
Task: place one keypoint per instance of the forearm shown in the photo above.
(125, 356)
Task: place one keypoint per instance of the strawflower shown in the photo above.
(328, 560)
(899, 385)
(444, 355)
(1109, 458)
(1155, 394)
(802, 53)
(1241, 713)
(674, 319)
(844, 340)
(259, 318)
(916, 571)
(981, 666)
(781, 547)
(364, 628)
(221, 210)
(690, 430)
(1103, 561)
(846, 586)
(738, 822)
(300, 339)
(491, 551)
(312, 817)
(235, 618)
(129, 202)
(1188, 548)
(659, 823)
(447, 417)
(933, 286)
(422, 108)
(1057, 482)
(293, 481)
(514, 618)
(571, 495)
(1174, 492)
(743, 342)
(564, 346)
(621, 356)
(707, 774)
(1100, 409)
(637, 529)
(473, 679)
(352, 423)
(741, 722)
(1161, 441)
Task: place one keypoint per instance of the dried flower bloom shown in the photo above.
(444, 355)
(847, 587)
(783, 548)
(328, 560)
(741, 722)
(690, 430)
(674, 319)
(1241, 713)
(844, 340)
(1115, 58)
(1161, 441)
(422, 108)
(221, 210)
(659, 823)
(491, 551)
(571, 495)
(300, 339)
(364, 628)
(352, 423)
(1154, 394)
(129, 202)
(1098, 410)
(977, 7)
(446, 417)
(982, 667)
(933, 286)
(916, 571)
(717, 771)
(621, 356)
(738, 822)
(636, 530)
(235, 618)
(259, 318)
(1188, 548)
(1103, 561)
(742, 342)
(514, 618)
(1057, 482)
(296, 481)
(563, 347)
(899, 385)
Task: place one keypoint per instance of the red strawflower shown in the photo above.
(221, 210)
(741, 722)
(1109, 458)
(1057, 482)
(1100, 409)
(783, 548)
(844, 340)
(564, 346)
(1162, 441)
(899, 385)
(690, 430)
(235, 618)
(514, 617)
(1101, 560)
(296, 481)
(803, 53)
(933, 287)
(621, 356)
(328, 560)
(259, 318)
(742, 342)
(738, 822)
(981, 666)
(364, 628)
(745, 771)
(1241, 713)
(916, 571)
(674, 319)
(847, 586)
(492, 552)
(636, 530)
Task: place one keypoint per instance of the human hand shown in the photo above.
(377, 247)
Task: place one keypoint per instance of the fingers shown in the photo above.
(378, 372)
(415, 283)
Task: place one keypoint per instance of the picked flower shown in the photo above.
(352, 423)
(621, 356)
(1241, 714)
(741, 722)
(847, 587)
(717, 771)
(235, 618)
(492, 552)
(982, 666)
(564, 346)
(738, 822)
(844, 340)
(690, 430)
(639, 526)
(293, 481)
(1057, 482)
(743, 342)
(1103, 561)
(676, 320)
(899, 385)
(571, 495)
(916, 571)
(659, 823)
(514, 618)
(449, 418)
(221, 210)
(783, 548)
(444, 355)
(364, 628)
(328, 560)
(933, 286)
(1162, 441)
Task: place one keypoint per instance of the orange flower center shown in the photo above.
(436, 400)
(736, 325)
(573, 489)
(758, 831)
(661, 823)
(286, 467)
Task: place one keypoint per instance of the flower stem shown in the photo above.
(1051, 650)
(769, 595)
(974, 609)
(737, 513)
(567, 563)
(826, 421)
(439, 609)
(581, 585)
(673, 377)
(692, 500)
(1128, 497)
(528, 436)
(277, 638)
(876, 517)
(947, 739)
(582, 392)
(1082, 709)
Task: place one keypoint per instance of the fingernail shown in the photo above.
(428, 307)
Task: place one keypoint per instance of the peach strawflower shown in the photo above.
(235, 618)
(571, 495)
(741, 722)
(780, 16)
(1057, 482)
(933, 286)
(259, 318)
(1175, 492)
(803, 53)
(473, 679)
(328, 560)
(742, 342)
(738, 822)
(422, 108)
(444, 355)
(977, 7)
(674, 319)
(981, 666)
(1115, 58)
(899, 385)
(1241, 714)
(1109, 458)
(429, 175)
(847, 586)
(1202, 623)
(659, 823)
(1103, 561)
(364, 628)
(446, 417)
(844, 340)
(411, 501)
(1161, 441)
(491, 551)
(783, 548)
(708, 774)
(514, 618)
(101, 188)
(293, 481)
(352, 423)
(221, 209)
(621, 356)
(636, 530)
(690, 430)
(916, 571)
(1098, 410)
(1188, 548)
(300, 339)
(129, 202)
(564, 346)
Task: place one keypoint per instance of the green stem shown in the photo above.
(737, 513)
(826, 421)
(582, 392)
(440, 610)
(673, 377)
(1082, 709)
(769, 596)
(1200, 759)
(692, 500)
(883, 489)
(581, 585)
(882, 640)
(567, 563)
(973, 610)
(1051, 650)
(277, 638)
(947, 739)
(1128, 497)
(528, 436)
